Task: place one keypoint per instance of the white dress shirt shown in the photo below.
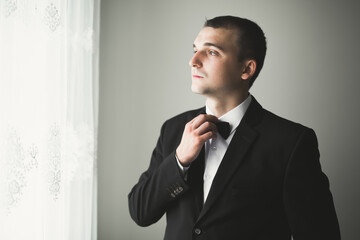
(215, 149)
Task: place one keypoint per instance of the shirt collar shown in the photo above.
(234, 116)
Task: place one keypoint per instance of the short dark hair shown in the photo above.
(251, 39)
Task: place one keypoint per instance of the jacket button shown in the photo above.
(197, 231)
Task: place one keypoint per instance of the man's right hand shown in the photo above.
(196, 133)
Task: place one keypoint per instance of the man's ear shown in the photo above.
(249, 69)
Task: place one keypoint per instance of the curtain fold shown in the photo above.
(48, 118)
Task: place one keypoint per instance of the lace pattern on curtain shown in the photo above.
(48, 119)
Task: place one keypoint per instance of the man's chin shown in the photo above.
(200, 89)
(196, 90)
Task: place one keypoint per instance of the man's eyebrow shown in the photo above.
(210, 45)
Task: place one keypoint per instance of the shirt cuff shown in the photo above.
(182, 168)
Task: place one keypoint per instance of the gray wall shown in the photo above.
(311, 75)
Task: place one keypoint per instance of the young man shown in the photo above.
(233, 170)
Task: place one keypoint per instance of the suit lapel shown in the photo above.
(243, 138)
(195, 176)
(195, 180)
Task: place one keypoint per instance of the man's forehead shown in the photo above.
(218, 37)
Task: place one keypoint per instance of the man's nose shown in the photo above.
(195, 61)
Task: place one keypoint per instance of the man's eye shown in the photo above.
(213, 53)
(195, 51)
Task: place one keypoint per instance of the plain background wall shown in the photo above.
(311, 75)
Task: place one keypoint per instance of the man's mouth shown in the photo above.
(197, 76)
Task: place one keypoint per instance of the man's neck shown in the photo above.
(221, 106)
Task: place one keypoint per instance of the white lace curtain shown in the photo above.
(48, 119)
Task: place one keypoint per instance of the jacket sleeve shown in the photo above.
(157, 187)
(308, 201)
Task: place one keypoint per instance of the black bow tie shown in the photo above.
(223, 129)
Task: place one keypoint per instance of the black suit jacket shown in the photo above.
(269, 185)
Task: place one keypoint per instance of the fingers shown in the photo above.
(201, 119)
(205, 127)
(196, 133)
(208, 135)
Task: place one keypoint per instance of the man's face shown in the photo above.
(215, 68)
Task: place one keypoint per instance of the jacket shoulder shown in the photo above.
(264, 120)
(282, 128)
(278, 120)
